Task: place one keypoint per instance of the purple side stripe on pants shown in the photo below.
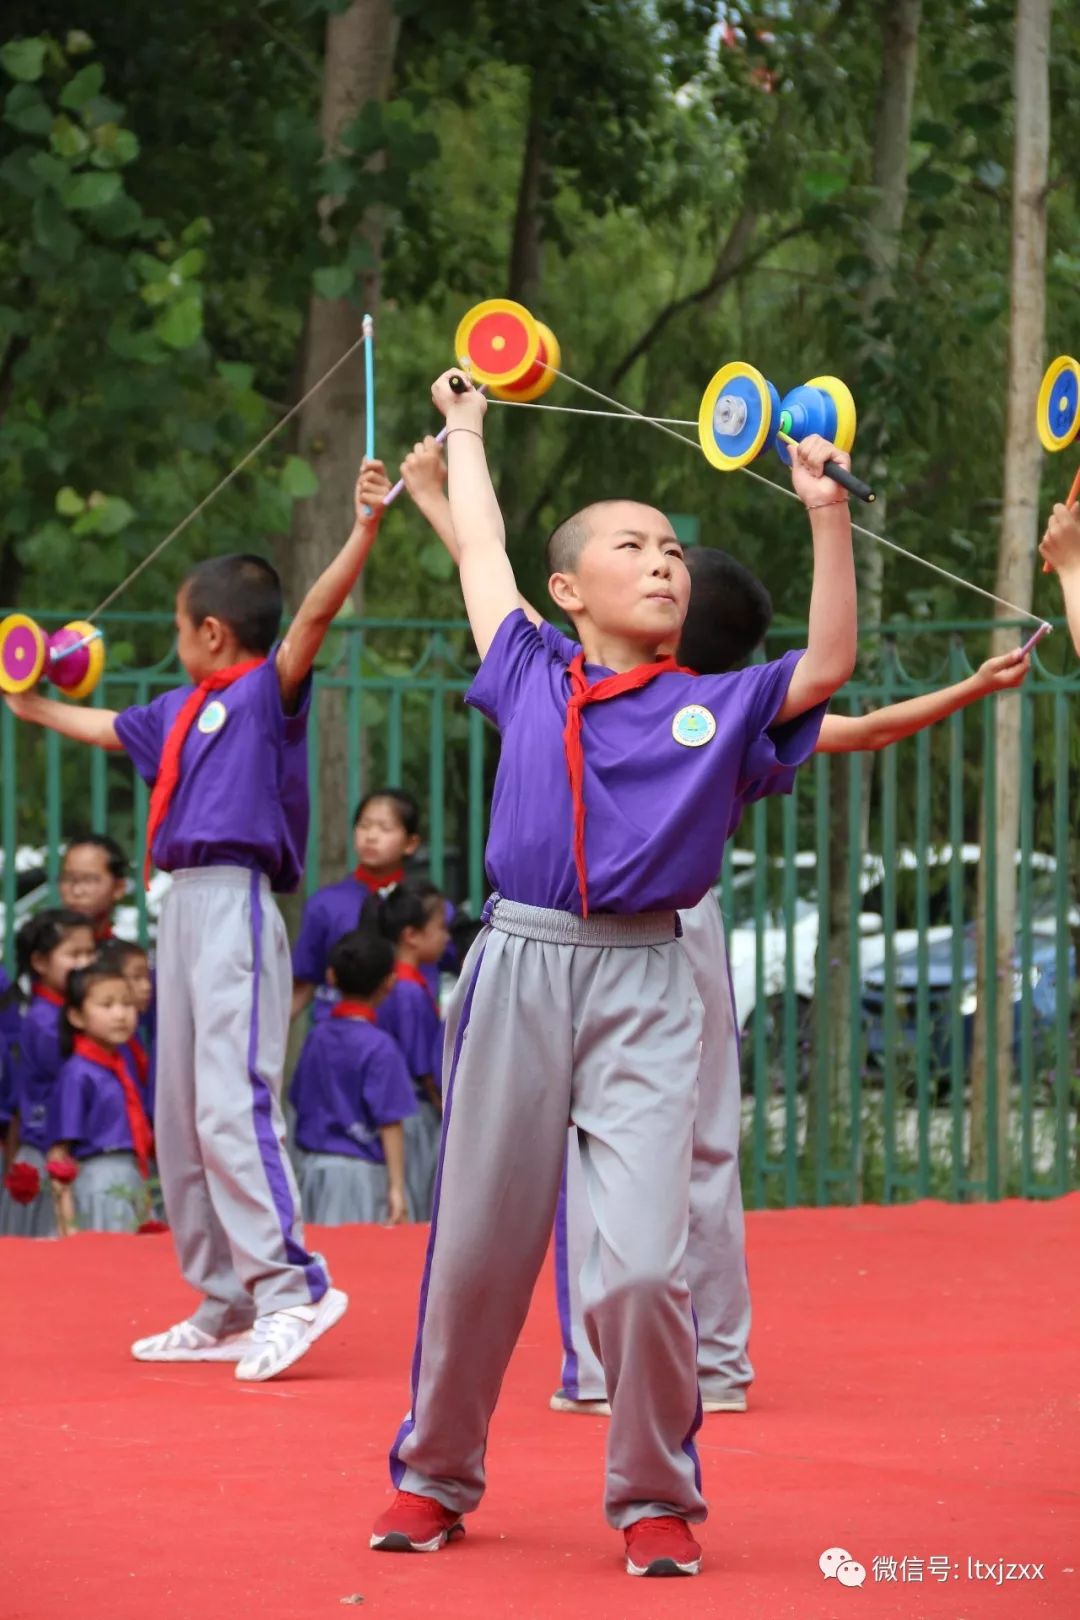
(562, 1290)
(270, 1149)
(688, 1445)
(397, 1467)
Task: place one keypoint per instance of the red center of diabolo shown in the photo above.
(498, 343)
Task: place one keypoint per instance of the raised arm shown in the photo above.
(424, 472)
(327, 596)
(94, 726)
(850, 734)
(1060, 547)
(829, 658)
(487, 579)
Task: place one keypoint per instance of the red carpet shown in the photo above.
(918, 1397)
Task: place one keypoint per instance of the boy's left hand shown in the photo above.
(1003, 673)
(808, 458)
(1060, 545)
(372, 488)
(396, 1208)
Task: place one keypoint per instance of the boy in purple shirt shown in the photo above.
(352, 1093)
(616, 787)
(228, 818)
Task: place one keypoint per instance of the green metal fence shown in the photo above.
(859, 1076)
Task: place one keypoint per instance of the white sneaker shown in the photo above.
(187, 1342)
(284, 1336)
(562, 1402)
(731, 1399)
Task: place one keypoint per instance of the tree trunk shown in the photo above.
(1015, 572)
(360, 46)
(899, 21)
(524, 285)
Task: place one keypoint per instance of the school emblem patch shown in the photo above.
(212, 718)
(693, 726)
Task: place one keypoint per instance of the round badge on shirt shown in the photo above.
(693, 726)
(213, 717)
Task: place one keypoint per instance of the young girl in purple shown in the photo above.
(413, 919)
(615, 791)
(132, 963)
(386, 833)
(50, 946)
(227, 760)
(98, 1123)
(351, 1092)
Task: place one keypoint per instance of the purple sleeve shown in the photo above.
(416, 1022)
(141, 730)
(290, 726)
(388, 1091)
(7, 1086)
(773, 752)
(67, 1110)
(310, 951)
(516, 652)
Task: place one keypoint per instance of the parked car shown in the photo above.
(742, 931)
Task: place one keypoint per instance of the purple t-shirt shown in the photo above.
(349, 1081)
(7, 1083)
(35, 1073)
(88, 1110)
(330, 913)
(658, 809)
(242, 799)
(409, 1015)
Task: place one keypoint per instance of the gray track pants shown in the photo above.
(716, 1251)
(598, 1023)
(225, 978)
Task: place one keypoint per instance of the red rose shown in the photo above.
(23, 1183)
(150, 1227)
(64, 1170)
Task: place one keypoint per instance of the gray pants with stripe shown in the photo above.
(598, 1023)
(716, 1250)
(225, 979)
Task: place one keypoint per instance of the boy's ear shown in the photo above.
(74, 1017)
(563, 590)
(412, 844)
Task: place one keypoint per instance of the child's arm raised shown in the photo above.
(94, 726)
(850, 734)
(424, 472)
(487, 579)
(1060, 547)
(829, 658)
(327, 596)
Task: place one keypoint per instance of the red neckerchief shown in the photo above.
(168, 776)
(353, 1009)
(43, 993)
(142, 1138)
(103, 933)
(140, 1059)
(582, 693)
(375, 883)
(413, 975)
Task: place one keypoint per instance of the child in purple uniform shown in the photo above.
(228, 818)
(413, 919)
(386, 832)
(132, 963)
(351, 1092)
(615, 791)
(94, 879)
(50, 946)
(97, 1118)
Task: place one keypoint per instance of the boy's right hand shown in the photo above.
(397, 1210)
(1060, 545)
(1003, 673)
(464, 409)
(424, 471)
(22, 704)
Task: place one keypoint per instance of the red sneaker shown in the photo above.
(662, 1546)
(415, 1524)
